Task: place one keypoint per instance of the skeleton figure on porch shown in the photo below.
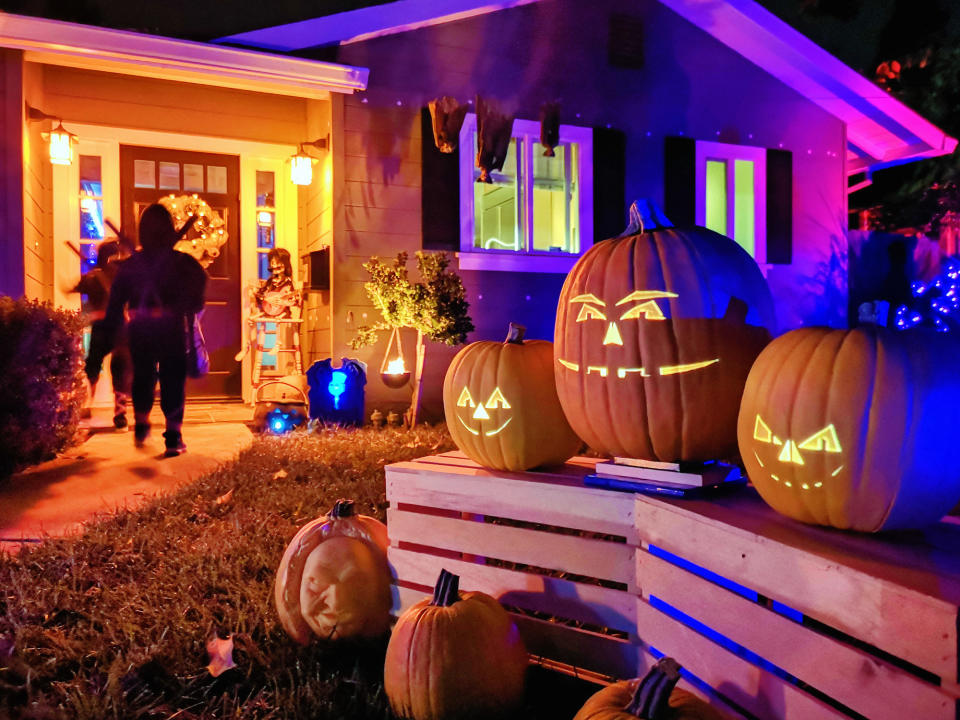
(96, 286)
(278, 310)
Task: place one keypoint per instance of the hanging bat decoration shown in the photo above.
(549, 127)
(494, 129)
(447, 115)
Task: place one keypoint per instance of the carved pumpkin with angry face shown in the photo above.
(656, 332)
(501, 405)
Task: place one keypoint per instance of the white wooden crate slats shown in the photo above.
(908, 624)
(866, 684)
(589, 557)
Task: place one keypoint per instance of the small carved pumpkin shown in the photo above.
(854, 428)
(655, 697)
(501, 404)
(333, 581)
(454, 656)
(656, 332)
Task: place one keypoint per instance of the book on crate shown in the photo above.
(681, 475)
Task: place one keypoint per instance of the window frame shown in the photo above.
(729, 153)
(526, 132)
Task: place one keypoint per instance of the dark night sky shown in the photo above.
(860, 32)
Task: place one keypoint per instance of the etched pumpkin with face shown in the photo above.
(501, 405)
(655, 335)
(854, 429)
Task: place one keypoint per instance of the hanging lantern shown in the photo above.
(301, 169)
(61, 146)
(393, 369)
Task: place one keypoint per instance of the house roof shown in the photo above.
(881, 130)
(54, 42)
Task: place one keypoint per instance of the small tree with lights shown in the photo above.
(436, 307)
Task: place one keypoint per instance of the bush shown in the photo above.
(41, 381)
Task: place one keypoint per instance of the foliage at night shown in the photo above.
(42, 388)
(436, 306)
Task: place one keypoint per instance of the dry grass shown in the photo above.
(114, 624)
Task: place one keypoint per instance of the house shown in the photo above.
(716, 109)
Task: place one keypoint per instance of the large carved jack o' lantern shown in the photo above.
(656, 332)
(854, 428)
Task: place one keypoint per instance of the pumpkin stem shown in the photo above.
(645, 214)
(447, 591)
(515, 334)
(342, 509)
(651, 700)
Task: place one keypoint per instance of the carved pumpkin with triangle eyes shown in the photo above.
(501, 405)
(854, 429)
(656, 331)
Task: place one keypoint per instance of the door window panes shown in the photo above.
(91, 210)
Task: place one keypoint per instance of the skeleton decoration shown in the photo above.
(447, 115)
(277, 296)
(494, 130)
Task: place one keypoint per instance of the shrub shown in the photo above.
(41, 381)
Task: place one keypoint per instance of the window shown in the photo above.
(91, 210)
(731, 196)
(537, 214)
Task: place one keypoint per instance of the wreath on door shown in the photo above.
(208, 233)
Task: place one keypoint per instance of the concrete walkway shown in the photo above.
(107, 472)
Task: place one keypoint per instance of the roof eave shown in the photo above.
(70, 44)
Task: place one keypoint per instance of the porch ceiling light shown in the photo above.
(60, 139)
(301, 164)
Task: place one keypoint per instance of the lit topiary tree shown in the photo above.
(436, 308)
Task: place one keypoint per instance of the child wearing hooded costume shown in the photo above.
(161, 288)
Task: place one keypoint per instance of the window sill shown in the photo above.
(517, 262)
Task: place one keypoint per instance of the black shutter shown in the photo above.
(609, 183)
(679, 180)
(440, 192)
(779, 207)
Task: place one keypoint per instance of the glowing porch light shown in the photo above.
(61, 146)
(301, 169)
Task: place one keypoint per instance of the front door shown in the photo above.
(146, 175)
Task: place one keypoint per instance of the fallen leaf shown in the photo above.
(221, 655)
(225, 498)
(280, 474)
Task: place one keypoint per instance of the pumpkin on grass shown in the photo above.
(501, 404)
(333, 581)
(656, 332)
(855, 429)
(655, 697)
(454, 656)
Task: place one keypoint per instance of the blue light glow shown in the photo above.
(337, 386)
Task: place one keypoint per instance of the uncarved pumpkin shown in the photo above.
(501, 404)
(454, 656)
(333, 581)
(854, 428)
(655, 335)
(655, 697)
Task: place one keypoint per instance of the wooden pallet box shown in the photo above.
(771, 618)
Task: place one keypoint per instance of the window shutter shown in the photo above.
(779, 207)
(609, 183)
(679, 180)
(439, 193)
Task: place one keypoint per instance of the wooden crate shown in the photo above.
(446, 512)
(772, 618)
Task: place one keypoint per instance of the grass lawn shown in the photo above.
(114, 623)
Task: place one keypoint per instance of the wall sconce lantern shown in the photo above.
(301, 164)
(61, 145)
(60, 139)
